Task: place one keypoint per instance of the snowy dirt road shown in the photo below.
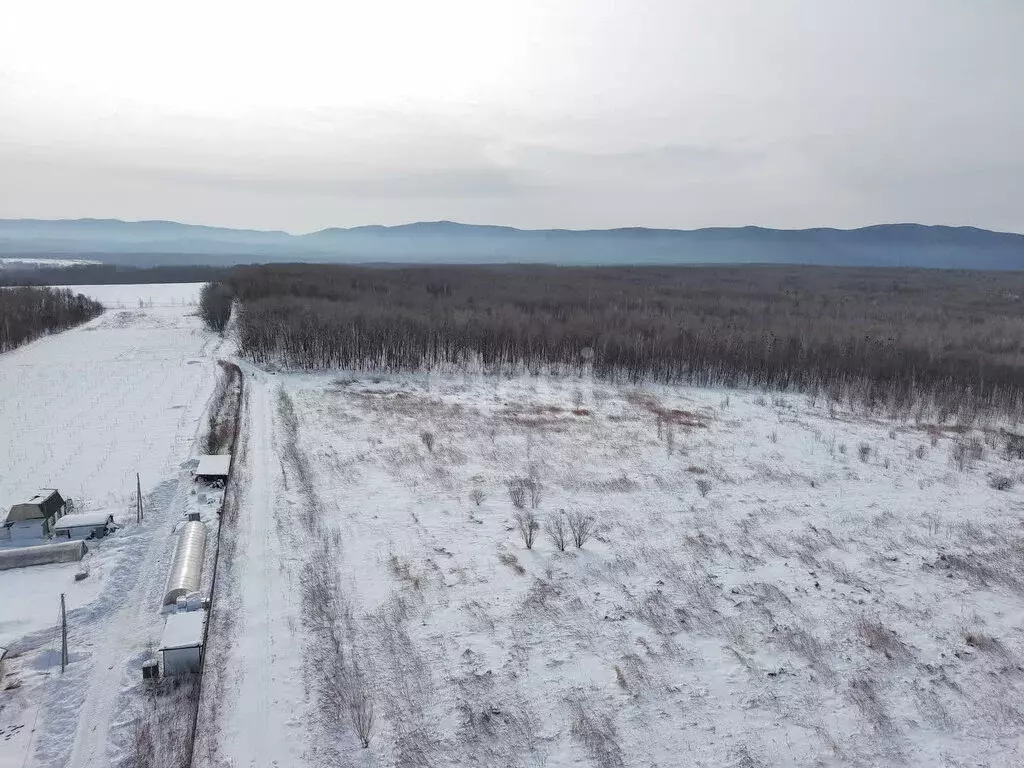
(83, 411)
(252, 711)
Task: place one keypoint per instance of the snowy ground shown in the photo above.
(83, 411)
(141, 296)
(772, 582)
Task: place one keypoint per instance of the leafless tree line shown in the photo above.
(224, 409)
(28, 313)
(215, 300)
(878, 337)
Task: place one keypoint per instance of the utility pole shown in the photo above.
(138, 499)
(63, 635)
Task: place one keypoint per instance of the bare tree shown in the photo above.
(534, 488)
(215, 300)
(517, 492)
(360, 708)
(558, 531)
(582, 527)
(577, 399)
(703, 486)
(477, 496)
(526, 522)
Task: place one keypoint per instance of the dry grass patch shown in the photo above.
(883, 640)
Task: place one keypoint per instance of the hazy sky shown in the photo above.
(578, 113)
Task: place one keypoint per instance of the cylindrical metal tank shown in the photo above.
(187, 565)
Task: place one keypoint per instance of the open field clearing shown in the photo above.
(768, 581)
(83, 411)
(150, 295)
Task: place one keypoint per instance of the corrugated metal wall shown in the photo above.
(187, 565)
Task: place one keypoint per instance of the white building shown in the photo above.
(181, 647)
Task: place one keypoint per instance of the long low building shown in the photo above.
(44, 554)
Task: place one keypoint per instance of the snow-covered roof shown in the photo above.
(83, 520)
(214, 465)
(41, 495)
(183, 629)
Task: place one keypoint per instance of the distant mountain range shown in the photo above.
(152, 243)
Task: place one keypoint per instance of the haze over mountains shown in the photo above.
(151, 243)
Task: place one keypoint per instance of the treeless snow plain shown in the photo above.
(83, 411)
(771, 580)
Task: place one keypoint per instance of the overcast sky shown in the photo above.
(535, 113)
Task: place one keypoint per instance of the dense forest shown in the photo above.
(106, 274)
(28, 313)
(900, 339)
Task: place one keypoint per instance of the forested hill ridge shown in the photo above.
(150, 243)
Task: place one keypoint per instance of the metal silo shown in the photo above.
(187, 565)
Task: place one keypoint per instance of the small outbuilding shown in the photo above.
(212, 468)
(88, 525)
(35, 517)
(181, 647)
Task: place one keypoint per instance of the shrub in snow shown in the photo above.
(477, 496)
(703, 486)
(522, 488)
(558, 531)
(526, 522)
(1001, 482)
(1014, 446)
(582, 527)
(517, 492)
(428, 440)
(965, 451)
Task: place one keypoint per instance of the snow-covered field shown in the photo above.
(771, 582)
(141, 296)
(13, 262)
(83, 411)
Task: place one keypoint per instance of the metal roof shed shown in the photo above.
(85, 525)
(181, 646)
(214, 467)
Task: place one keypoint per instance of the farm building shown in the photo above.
(34, 518)
(88, 525)
(181, 647)
(213, 468)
